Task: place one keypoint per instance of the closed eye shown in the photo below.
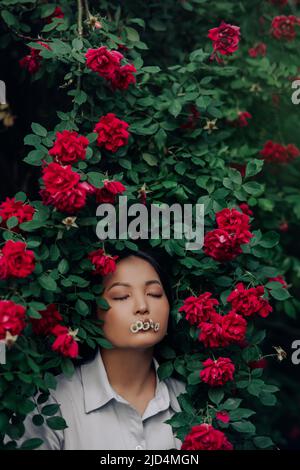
(126, 296)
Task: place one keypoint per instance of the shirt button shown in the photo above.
(139, 448)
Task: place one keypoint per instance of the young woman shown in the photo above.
(116, 400)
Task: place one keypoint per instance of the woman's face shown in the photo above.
(134, 292)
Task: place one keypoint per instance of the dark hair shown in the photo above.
(86, 352)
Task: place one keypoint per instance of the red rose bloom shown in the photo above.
(245, 209)
(108, 193)
(62, 188)
(247, 302)
(223, 416)
(211, 333)
(242, 119)
(283, 27)
(258, 49)
(123, 77)
(260, 364)
(205, 437)
(112, 132)
(221, 245)
(12, 318)
(16, 261)
(232, 220)
(69, 147)
(234, 328)
(103, 61)
(103, 263)
(65, 342)
(199, 309)
(50, 318)
(217, 373)
(32, 61)
(274, 152)
(12, 208)
(225, 39)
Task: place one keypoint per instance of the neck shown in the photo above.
(129, 370)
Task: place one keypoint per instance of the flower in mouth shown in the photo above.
(144, 326)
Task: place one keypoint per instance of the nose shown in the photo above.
(141, 305)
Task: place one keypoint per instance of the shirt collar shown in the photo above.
(97, 390)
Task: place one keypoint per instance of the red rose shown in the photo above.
(12, 318)
(69, 147)
(123, 77)
(283, 27)
(245, 209)
(103, 263)
(62, 188)
(112, 132)
(234, 327)
(65, 342)
(274, 152)
(12, 208)
(225, 39)
(211, 333)
(205, 437)
(16, 261)
(232, 219)
(103, 61)
(221, 245)
(32, 61)
(247, 302)
(108, 193)
(242, 119)
(58, 178)
(50, 318)
(259, 49)
(199, 309)
(217, 373)
(260, 364)
(223, 416)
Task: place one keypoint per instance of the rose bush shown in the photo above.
(178, 123)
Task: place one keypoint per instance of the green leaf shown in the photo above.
(269, 239)
(12, 222)
(38, 129)
(30, 444)
(231, 404)
(194, 378)
(216, 395)
(262, 442)
(67, 367)
(47, 282)
(82, 307)
(150, 159)
(50, 410)
(165, 370)
(63, 266)
(253, 167)
(280, 293)
(9, 18)
(103, 304)
(243, 426)
(253, 188)
(56, 423)
(175, 108)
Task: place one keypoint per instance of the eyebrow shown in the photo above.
(147, 283)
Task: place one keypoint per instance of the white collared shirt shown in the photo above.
(98, 418)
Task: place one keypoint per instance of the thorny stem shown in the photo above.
(80, 28)
(88, 13)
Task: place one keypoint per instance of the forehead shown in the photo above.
(133, 270)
